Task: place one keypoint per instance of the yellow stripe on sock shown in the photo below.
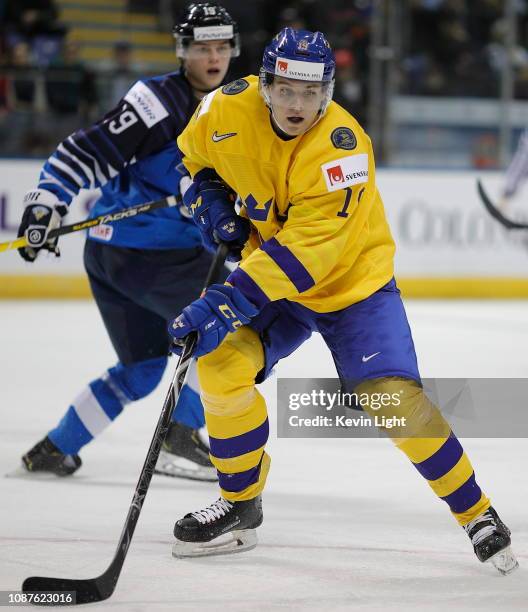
(219, 406)
(249, 418)
(463, 518)
(238, 464)
(455, 478)
(420, 449)
(253, 490)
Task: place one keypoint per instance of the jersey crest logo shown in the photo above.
(235, 87)
(344, 138)
(256, 211)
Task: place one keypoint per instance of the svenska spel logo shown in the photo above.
(282, 66)
(335, 175)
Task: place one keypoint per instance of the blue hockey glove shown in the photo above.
(212, 206)
(43, 212)
(221, 310)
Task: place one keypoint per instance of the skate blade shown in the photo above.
(23, 474)
(505, 561)
(179, 467)
(237, 542)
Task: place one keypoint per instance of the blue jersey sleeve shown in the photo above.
(152, 113)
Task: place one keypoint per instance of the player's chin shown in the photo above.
(213, 78)
(296, 125)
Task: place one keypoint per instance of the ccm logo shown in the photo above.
(229, 314)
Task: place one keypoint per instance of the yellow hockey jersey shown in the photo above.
(319, 232)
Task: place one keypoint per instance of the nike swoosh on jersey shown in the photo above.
(365, 359)
(218, 137)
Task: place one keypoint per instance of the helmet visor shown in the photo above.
(194, 46)
(204, 50)
(294, 95)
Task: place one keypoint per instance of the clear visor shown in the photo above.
(284, 94)
(187, 48)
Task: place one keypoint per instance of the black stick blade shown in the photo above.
(86, 591)
(496, 213)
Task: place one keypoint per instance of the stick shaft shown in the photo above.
(126, 213)
(496, 213)
(102, 587)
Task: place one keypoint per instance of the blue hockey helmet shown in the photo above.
(298, 55)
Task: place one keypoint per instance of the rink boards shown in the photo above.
(447, 245)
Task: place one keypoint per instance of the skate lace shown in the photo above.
(484, 531)
(214, 511)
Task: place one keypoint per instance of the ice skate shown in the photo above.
(220, 529)
(491, 541)
(184, 455)
(45, 457)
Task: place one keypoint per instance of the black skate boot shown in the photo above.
(200, 533)
(184, 455)
(491, 541)
(46, 457)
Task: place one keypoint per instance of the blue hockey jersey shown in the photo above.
(131, 154)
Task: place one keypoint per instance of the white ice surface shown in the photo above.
(349, 524)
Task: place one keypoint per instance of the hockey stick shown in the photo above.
(126, 213)
(100, 588)
(496, 213)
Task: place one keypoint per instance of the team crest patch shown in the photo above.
(235, 87)
(344, 138)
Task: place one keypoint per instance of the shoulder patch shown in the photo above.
(146, 104)
(344, 138)
(345, 172)
(235, 87)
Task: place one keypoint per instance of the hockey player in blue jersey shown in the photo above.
(143, 269)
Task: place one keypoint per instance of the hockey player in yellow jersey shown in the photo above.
(319, 258)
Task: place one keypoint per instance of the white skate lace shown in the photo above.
(212, 512)
(484, 532)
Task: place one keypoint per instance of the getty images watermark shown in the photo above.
(475, 408)
(332, 401)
